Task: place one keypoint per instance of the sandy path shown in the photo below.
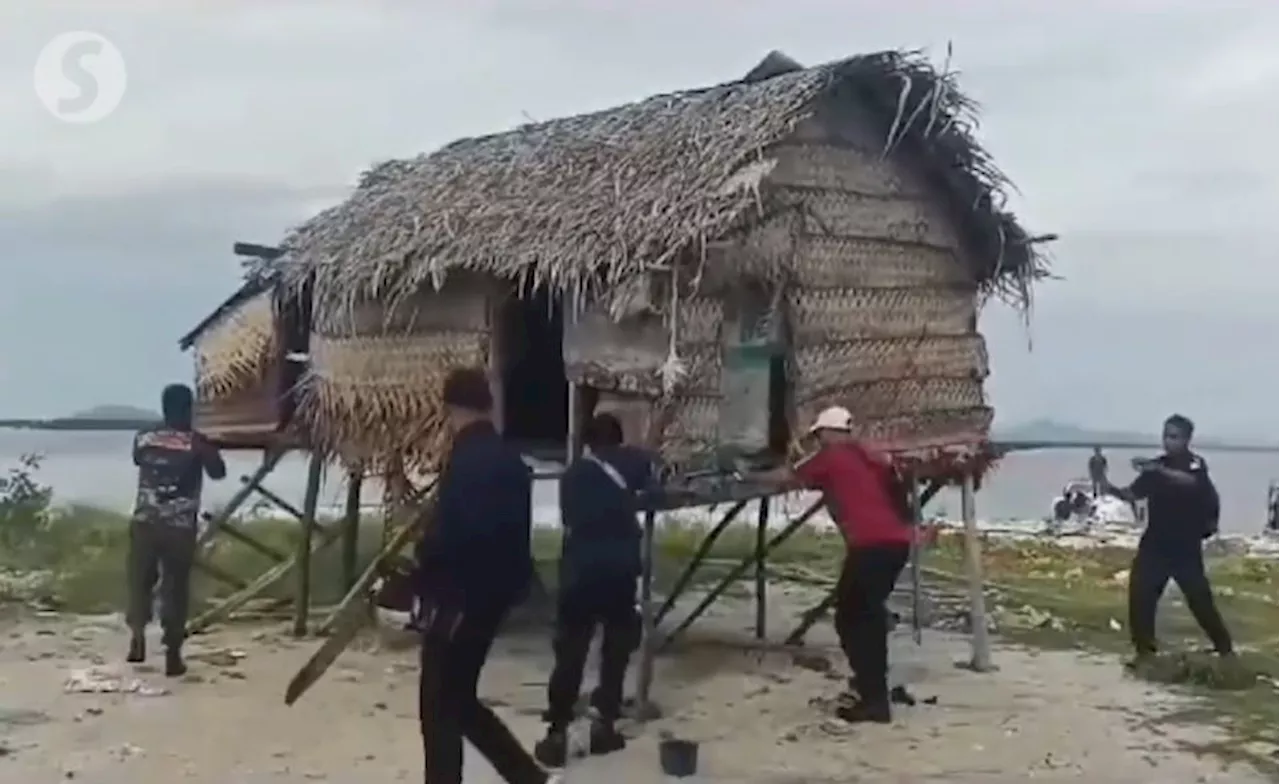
(1050, 717)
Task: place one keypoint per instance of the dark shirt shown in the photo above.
(1179, 516)
(476, 553)
(171, 464)
(601, 533)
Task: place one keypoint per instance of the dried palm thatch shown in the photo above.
(585, 202)
(237, 344)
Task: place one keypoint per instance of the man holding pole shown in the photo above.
(474, 564)
(860, 488)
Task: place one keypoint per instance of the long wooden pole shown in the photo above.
(351, 528)
(648, 627)
(980, 640)
(762, 557)
(302, 603)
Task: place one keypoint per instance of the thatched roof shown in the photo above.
(602, 196)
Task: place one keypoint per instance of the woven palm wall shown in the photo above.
(376, 371)
(882, 312)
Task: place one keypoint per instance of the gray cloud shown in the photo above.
(1144, 133)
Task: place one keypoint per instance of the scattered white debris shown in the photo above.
(101, 680)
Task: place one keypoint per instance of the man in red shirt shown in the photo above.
(859, 487)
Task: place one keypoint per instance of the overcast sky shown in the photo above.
(1144, 133)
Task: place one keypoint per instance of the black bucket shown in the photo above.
(679, 758)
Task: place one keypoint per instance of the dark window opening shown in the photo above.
(535, 394)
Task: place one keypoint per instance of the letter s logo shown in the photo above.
(80, 77)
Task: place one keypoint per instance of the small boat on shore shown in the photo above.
(1077, 510)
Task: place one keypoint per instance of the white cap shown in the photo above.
(833, 418)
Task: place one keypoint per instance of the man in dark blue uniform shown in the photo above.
(599, 565)
(172, 460)
(474, 565)
(1182, 510)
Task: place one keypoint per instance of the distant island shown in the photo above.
(105, 417)
(1047, 431)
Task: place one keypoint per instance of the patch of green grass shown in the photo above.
(84, 551)
(1087, 589)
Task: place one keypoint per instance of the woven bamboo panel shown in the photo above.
(846, 314)
(692, 430)
(367, 395)
(832, 365)
(907, 432)
(237, 354)
(699, 322)
(896, 397)
(845, 214)
(845, 262)
(839, 167)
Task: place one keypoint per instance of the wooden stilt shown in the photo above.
(270, 459)
(648, 625)
(704, 547)
(302, 603)
(739, 570)
(981, 643)
(762, 531)
(328, 535)
(917, 597)
(351, 528)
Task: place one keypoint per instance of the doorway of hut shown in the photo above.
(535, 392)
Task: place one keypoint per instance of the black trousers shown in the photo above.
(609, 603)
(449, 709)
(1148, 576)
(164, 553)
(862, 619)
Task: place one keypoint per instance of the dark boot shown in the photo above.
(862, 712)
(174, 666)
(552, 750)
(605, 739)
(137, 649)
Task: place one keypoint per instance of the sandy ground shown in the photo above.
(1048, 717)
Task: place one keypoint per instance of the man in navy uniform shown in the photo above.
(1182, 511)
(474, 564)
(599, 566)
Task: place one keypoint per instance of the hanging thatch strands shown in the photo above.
(236, 353)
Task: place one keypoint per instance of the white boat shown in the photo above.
(1076, 509)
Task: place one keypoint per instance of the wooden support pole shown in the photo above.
(259, 584)
(219, 574)
(762, 532)
(390, 548)
(232, 530)
(704, 548)
(351, 528)
(981, 643)
(648, 622)
(345, 622)
(302, 601)
(917, 597)
(270, 459)
(276, 500)
(739, 570)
